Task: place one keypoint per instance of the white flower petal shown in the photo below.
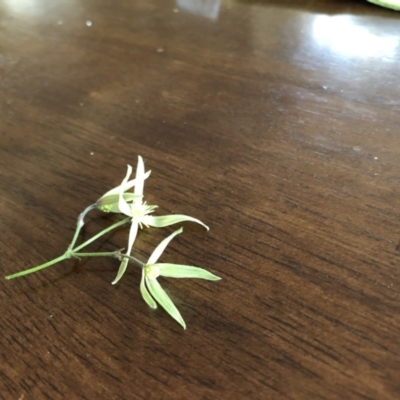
(167, 220)
(132, 236)
(146, 295)
(139, 179)
(161, 247)
(165, 302)
(110, 203)
(185, 271)
(127, 186)
(130, 184)
(121, 271)
(123, 206)
(130, 196)
(124, 263)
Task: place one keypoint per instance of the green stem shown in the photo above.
(80, 224)
(39, 267)
(133, 259)
(92, 239)
(116, 254)
(71, 253)
(109, 254)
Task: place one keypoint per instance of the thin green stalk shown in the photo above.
(80, 224)
(39, 267)
(92, 239)
(133, 259)
(71, 253)
(116, 254)
(108, 254)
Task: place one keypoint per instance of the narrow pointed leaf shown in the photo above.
(167, 220)
(185, 271)
(161, 247)
(165, 302)
(146, 295)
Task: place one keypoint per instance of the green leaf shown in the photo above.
(165, 302)
(167, 220)
(185, 271)
(161, 247)
(146, 295)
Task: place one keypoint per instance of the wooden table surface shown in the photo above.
(277, 124)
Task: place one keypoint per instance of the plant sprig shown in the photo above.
(120, 200)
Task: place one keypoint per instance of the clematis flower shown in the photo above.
(151, 290)
(109, 202)
(139, 211)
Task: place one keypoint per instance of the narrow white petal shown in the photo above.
(165, 302)
(139, 179)
(128, 185)
(130, 196)
(185, 271)
(124, 262)
(145, 293)
(161, 247)
(122, 204)
(167, 220)
(132, 236)
(110, 203)
(121, 271)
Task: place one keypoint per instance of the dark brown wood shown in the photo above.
(276, 123)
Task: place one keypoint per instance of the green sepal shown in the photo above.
(165, 302)
(393, 4)
(146, 295)
(110, 203)
(161, 247)
(185, 271)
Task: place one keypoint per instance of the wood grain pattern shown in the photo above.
(277, 124)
